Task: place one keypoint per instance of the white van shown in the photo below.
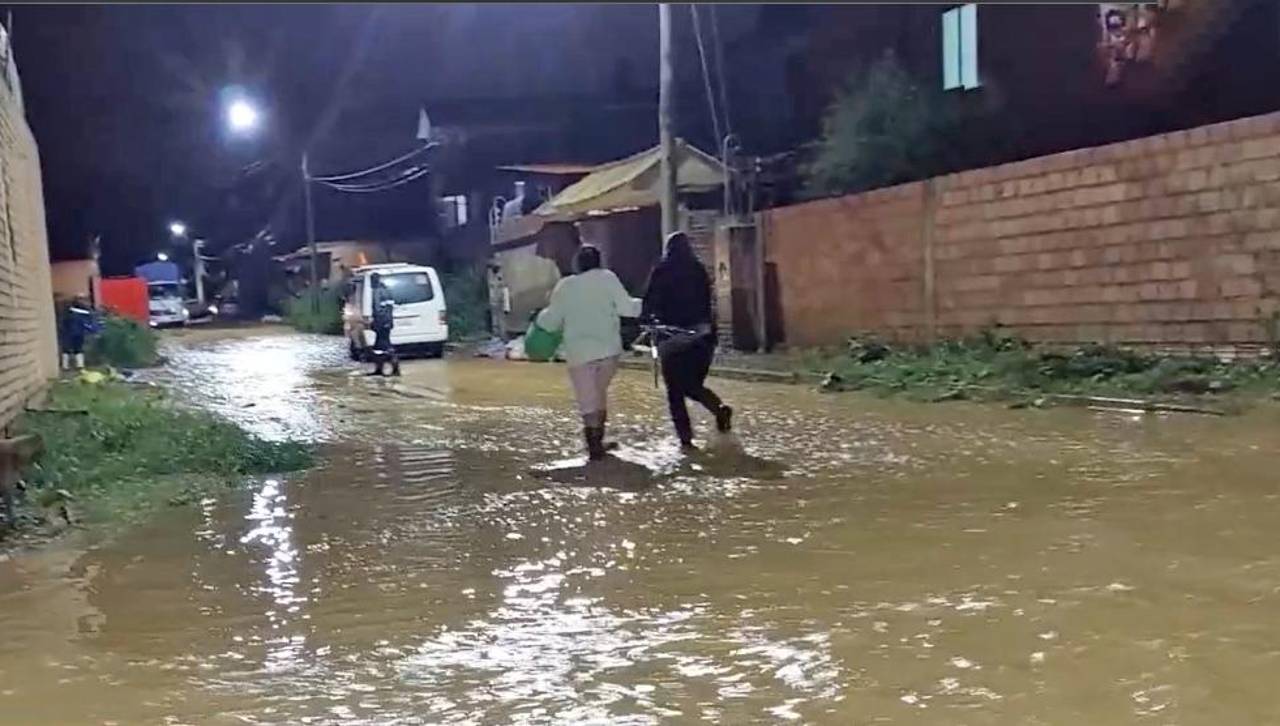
(421, 316)
(165, 305)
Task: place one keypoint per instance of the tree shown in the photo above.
(882, 129)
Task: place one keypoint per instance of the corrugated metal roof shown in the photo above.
(557, 169)
(633, 182)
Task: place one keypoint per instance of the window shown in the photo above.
(960, 48)
(164, 291)
(453, 210)
(407, 288)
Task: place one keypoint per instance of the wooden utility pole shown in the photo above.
(666, 81)
(311, 234)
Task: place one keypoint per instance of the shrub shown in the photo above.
(466, 292)
(122, 343)
(883, 128)
(324, 318)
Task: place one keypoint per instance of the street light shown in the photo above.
(162, 256)
(242, 116)
(177, 229)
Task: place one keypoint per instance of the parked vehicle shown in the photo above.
(166, 306)
(420, 313)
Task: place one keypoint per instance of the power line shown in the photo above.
(724, 92)
(706, 74)
(411, 175)
(375, 169)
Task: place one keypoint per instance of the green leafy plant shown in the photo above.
(324, 318)
(466, 293)
(883, 128)
(122, 343)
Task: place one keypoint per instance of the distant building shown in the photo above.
(614, 207)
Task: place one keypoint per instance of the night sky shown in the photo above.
(125, 100)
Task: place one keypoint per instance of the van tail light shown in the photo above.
(444, 317)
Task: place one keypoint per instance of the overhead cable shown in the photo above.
(706, 75)
(375, 169)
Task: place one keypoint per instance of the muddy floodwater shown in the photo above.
(858, 561)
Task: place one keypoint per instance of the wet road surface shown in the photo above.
(859, 561)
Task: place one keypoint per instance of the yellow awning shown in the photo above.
(632, 182)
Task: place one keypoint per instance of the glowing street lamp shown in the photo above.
(242, 116)
(177, 229)
(162, 256)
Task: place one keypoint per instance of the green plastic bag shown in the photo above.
(541, 344)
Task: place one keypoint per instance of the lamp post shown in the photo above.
(179, 231)
(243, 118)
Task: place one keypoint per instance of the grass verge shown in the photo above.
(119, 451)
(998, 367)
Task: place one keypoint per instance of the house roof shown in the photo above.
(551, 169)
(633, 182)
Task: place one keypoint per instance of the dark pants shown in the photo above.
(384, 351)
(684, 370)
(73, 344)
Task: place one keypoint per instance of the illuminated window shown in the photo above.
(960, 48)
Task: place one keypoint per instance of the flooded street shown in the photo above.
(860, 561)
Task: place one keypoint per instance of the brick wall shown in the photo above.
(28, 346)
(849, 264)
(1166, 241)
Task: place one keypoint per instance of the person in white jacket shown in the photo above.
(587, 309)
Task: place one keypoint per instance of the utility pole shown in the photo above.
(197, 268)
(666, 140)
(311, 235)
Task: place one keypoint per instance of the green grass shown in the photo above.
(1005, 367)
(326, 318)
(119, 450)
(122, 343)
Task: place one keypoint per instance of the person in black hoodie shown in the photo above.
(679, 295)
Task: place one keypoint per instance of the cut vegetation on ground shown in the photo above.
(991, 366)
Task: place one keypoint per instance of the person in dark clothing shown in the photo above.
(384, 321)
(77, 325)
(679, 295)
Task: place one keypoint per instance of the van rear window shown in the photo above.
(407, 288)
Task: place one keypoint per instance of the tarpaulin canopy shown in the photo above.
(633, 183)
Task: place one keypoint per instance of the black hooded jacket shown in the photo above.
(679, 289)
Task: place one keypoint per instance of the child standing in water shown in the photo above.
(587, 308)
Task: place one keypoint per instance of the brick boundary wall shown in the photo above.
(28, 342)
(1169, 242)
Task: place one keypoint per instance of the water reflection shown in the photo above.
(858, 561)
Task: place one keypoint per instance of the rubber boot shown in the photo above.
(66, 361)
(395, 365)
(79, 361)
(724, 419)
(604, 425)
(684, 432)
(594, 436)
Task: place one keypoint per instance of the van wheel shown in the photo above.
(435, 350)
